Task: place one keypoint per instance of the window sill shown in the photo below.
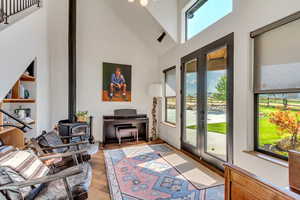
(271, 159)
(168, 124)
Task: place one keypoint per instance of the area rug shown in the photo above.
(147, 173)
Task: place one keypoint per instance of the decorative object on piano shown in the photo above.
(82, 116)
(135, 125)
(116, 82)
(155, 90)
(294, 172)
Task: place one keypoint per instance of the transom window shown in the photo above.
(170, 95)
(205, 13)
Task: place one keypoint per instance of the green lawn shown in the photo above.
(268, 133)
(216, 128)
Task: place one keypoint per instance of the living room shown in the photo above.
(186, 85)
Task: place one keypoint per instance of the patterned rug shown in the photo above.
(142, 173)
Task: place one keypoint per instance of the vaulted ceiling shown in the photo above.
(146, 26)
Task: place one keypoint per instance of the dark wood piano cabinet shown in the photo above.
(123, 117)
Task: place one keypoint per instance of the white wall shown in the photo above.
(20, 44)
(58, 57)
(246, 17)
(102, 37)
(165, 13)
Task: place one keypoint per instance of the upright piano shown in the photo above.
(124, 117)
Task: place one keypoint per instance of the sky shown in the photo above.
(208, 14)
(212, 79)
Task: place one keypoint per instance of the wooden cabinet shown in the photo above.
(242, 185)
(294, 170)
(13, 137)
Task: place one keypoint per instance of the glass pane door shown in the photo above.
(216, 103)
(207, 102)
(190, 131)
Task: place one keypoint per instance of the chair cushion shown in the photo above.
(7, 176)
(55, 190)
(27, 164)
(51, 139)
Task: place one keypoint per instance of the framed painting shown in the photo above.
(116, 82)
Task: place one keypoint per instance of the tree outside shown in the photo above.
(221, 87)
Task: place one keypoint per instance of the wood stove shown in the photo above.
(82, 129)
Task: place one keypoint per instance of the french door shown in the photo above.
(207, 102)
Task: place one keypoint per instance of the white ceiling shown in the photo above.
(166, 14)
(141, 22)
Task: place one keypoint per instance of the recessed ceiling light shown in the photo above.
(144, 2)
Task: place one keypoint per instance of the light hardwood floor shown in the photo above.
(99, 187)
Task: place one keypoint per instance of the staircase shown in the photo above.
(9, 8)
(23, 39)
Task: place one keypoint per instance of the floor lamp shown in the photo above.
(155, 91)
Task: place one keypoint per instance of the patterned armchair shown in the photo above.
(51, 142)
(30, 179)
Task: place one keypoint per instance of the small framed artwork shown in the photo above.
(116, 82)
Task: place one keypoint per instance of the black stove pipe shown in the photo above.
(72, 59)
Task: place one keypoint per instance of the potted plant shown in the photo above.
(82, 116)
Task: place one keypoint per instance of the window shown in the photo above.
(277, 87)
(170, 95)
(205, 13)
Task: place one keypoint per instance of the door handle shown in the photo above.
(202, 115)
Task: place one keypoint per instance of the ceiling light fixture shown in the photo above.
(142, 2)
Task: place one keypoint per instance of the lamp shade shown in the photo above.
(155, 90)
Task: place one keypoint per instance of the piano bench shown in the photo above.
(123, 131)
